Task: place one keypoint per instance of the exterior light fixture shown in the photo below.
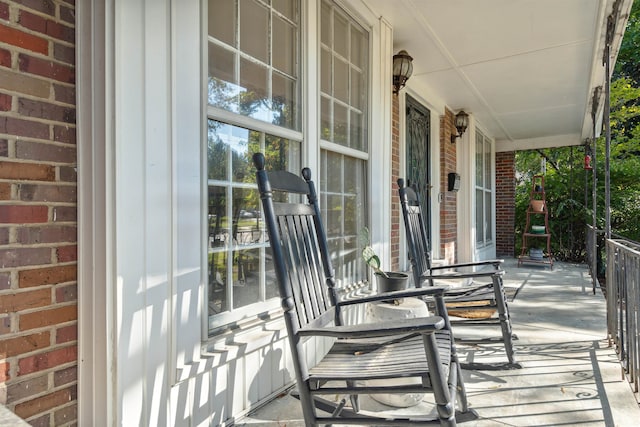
(402, 69)
(461, 123)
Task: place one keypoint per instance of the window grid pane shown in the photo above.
(342, 189)
(255, 71)
(344, 77)
(239, 273)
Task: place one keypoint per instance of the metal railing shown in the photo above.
(623, 304)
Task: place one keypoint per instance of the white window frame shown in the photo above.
(250, 311)
(486, 241)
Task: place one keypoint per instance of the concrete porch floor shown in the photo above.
(570, 377)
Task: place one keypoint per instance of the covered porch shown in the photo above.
(570, 374)
(106, 116)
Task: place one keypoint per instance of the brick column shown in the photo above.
(395, 173)
(448, 205)
(38, 225)
(505, 203)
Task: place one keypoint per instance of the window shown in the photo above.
(254, 103)
(253, 97)
(484, 191)
(344, 100)
(254, 66)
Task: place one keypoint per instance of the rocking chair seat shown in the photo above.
(469, 293)
(363, 359)
(473, 292)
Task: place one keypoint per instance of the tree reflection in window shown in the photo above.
(238, 261)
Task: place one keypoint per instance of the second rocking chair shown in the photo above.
(466, 298)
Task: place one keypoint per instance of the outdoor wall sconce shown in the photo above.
(453, 181)
(402, 69)
(461, 123)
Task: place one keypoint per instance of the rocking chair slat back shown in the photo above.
(418, 244)
(301, 261)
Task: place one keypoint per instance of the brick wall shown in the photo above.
(395, 174)
(505, 203)
(38, 311)
(448, 206)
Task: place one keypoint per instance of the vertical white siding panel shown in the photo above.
(180, 406)
(466, 194)
(381, 63)
(144, 201)
(158, 205)
(288, 361)
(219, 398)
(186, 299)
(201, 407)
(236, 391)
(252, 378)
(279, 375)
(130, 215)
(188, 182)
(265, 385)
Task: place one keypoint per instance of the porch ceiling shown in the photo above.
(526, 69)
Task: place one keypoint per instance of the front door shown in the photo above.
(418, 161)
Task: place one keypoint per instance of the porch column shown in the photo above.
(505, 203)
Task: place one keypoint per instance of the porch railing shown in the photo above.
(623, 304)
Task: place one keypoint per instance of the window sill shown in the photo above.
(234, 343)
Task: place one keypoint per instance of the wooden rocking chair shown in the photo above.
(421, 348)
(472, 297)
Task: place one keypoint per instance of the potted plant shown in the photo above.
(387, 281)
(537, 205)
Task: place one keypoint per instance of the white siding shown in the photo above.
(143, 200)
(145, 356)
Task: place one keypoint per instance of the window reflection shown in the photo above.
(343, 189)
(240, 273)
(256, 74)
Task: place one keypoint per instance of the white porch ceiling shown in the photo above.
(526, 69)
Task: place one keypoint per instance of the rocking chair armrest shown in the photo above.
(459, 275)
(496, 263)
(424, 325)
(436, 291)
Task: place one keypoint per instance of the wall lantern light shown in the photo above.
(402, 69)
(461, 123)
